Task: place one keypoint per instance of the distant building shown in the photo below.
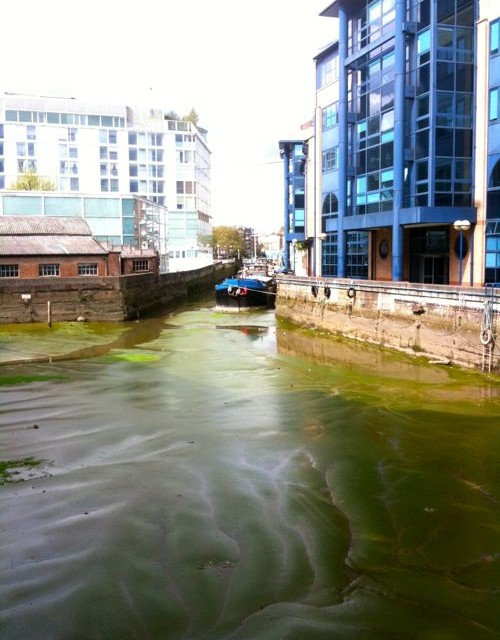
(121, 221)
(116, 151)
(34, 247)
(402, 172)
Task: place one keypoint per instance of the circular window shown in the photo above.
(383, 249)
(465, 247)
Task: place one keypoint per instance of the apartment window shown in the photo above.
(140, 265)
(330, 116)
(329, 159)
(357, 254)
(329, 255)
(87, 269)
(74, 184)
(327, 71)
(495, 37)
(495, 103)
(9, 271)
(48, 270)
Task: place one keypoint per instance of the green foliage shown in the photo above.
(227, 241)
(171, 115)
(192, 117)
(31, 181)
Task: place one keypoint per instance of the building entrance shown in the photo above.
(429, 255)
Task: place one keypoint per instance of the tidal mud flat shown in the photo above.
(208, 476)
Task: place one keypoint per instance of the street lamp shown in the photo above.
(461, 225)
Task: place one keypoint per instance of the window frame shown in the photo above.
(49, 270)
(5, 268)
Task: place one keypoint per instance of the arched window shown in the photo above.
(330, 205)
(494, 181)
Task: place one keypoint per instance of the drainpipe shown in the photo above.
(342, 188)
(286, 181)
(399, 142)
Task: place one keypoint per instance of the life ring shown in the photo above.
(244, 291)
(327, 292)
(314, 290)
(238, 292)
(351, 292)
(486, 336)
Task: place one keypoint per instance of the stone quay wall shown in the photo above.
(103, 299)
(445, 324)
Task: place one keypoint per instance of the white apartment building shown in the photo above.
(86, 148)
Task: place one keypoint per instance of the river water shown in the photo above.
(209, 476)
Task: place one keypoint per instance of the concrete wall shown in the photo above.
(98, 299)
(442, 323)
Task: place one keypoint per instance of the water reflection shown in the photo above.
(216, 477)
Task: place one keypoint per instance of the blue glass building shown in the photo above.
(408, 97)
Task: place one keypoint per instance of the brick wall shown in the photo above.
(68, 265)
(112, 298)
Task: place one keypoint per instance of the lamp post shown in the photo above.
(461, 226)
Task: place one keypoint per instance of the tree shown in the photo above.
(192, 117)
(228, 242)
(31, 181)
(171, 115)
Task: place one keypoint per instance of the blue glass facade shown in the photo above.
(492, 239)
(294, 155)
(398, 139)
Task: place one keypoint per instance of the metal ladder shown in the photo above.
(487, 335)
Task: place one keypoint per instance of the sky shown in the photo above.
(236, 63)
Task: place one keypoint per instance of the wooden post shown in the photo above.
(49, 318)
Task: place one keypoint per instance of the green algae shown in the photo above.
(134, 357)
(16, 470)
(28, 378)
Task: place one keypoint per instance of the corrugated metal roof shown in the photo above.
(43, 225)
(46, 245)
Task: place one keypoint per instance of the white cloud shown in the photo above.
(246, 68)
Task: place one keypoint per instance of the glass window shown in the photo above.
(444, 142)
(494, 180)
(465, 77)
(330, 116)
(494, 104)
(495, 37)
(9, 271)
(424, 41)
(140, 265)
(48, 270)
(463, 143)
(445, 76)
(87, 269)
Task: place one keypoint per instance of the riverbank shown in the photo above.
(103, 299)
(443, 324)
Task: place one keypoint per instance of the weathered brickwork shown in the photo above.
(97, 299)
(442, 323)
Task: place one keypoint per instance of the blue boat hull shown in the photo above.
(245, 293)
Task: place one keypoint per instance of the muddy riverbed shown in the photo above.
(209, 476)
